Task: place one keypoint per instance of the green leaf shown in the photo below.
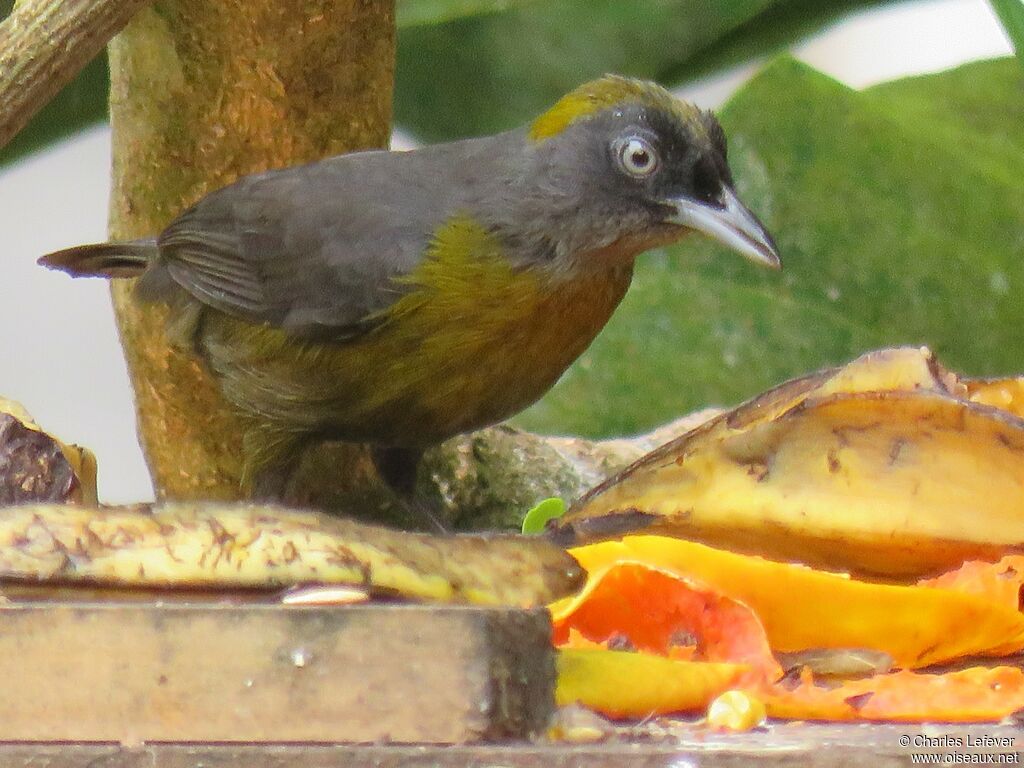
(899, 214)
(1011, 14)
(488, 73)
(413, 13)
(538, 517)
(775, 28)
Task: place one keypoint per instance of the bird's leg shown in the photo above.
(271, 458)
(398, 468)
(270, 484)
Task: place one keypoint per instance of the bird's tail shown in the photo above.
(103, 259)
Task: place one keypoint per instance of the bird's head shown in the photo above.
(618, 166)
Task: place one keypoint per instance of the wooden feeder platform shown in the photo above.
(200, 681)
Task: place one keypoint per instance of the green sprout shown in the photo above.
(537, 518)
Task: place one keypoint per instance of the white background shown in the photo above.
(59, 354)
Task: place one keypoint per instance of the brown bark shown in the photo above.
(44, 44)
(202, 93)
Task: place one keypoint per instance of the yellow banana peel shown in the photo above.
(224, 546)
(1005, 394)
(695, 621)
(802, 608)
(887, 467)
(637, 684)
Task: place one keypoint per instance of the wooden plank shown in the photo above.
(134, 673)
(784, 746)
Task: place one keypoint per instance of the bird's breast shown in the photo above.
(472, 341)
(478, 340)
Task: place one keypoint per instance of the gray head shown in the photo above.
(619, 166)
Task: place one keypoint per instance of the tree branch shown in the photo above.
(44, 44)
(201, 93)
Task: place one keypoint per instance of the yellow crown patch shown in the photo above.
(607, 91)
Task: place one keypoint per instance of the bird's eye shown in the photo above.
(636, 156)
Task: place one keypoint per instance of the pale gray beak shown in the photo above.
(732, 224)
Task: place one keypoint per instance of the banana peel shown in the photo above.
(624, 684)
(801, 608)
(645, 592)
(888, 467)
(1004, 394)
(244, 546)
(1001, 582)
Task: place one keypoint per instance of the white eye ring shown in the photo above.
(636, 156)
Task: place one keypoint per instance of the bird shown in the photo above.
(398, 299)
